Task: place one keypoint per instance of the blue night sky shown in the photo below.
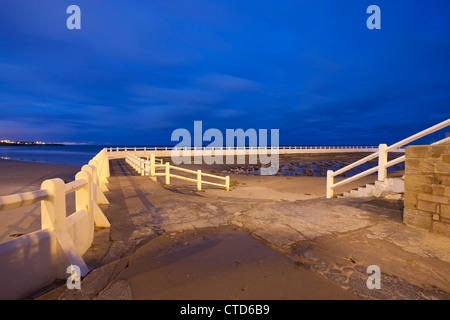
(137, 70)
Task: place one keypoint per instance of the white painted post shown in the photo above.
(227, 183)
(382, 160)
(152, 164)
(53, 210)
(330, 182)
(199, 180)
(103, 172)
(100, 219)
(146, 168)
(99, 197)
(167, 173)
(108, 173)
(53, 218)
(83, 200)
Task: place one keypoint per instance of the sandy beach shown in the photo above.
(21, 176)
(269, 237)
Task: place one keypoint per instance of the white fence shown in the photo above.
(148, 168)
(382, 155)
(35, 260)
(119, 152)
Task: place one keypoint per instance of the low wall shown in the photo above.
(427, 188)
(28, 264)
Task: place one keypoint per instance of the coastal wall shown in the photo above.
(427, 188)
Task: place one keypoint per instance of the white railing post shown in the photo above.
(83, 200)
(152, 164)
(167, 173)
(227, 183)
(108, 173)
(382, 160)
(100, 219)
(53, 218)
(330, 182)
(53, 210)
(146, 168)
(199, 180)
(99, 197)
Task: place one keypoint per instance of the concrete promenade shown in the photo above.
(268, 238)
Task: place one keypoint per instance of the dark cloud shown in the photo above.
(137, 70)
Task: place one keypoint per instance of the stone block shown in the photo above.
(410, 200)
(432, 198)
(435, 217)
(446, 192)
(445, 220)
(428, 206)
(427, 166)
(412, 166)
(417, 180)
(437, 189)
(441, 227)
(417, 218)
(446, 158)
(439, 150)
(417, 152)
(445, 211)
(442, 168)
(442, 179)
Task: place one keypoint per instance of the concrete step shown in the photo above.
(390, 189)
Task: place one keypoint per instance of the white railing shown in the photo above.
(382, 155)
(148, 168)
(285, 148)
(34, 260)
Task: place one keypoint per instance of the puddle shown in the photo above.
(221, 263)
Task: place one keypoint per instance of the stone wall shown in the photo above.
(427, 188)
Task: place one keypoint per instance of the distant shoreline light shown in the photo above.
(27, 143)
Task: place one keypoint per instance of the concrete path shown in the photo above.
(160, 235)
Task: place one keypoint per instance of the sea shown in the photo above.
(72, 155)
(79, 155)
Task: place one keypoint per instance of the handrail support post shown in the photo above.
(330, 182)
(167, 173)
(382, 160)
(199, 180)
